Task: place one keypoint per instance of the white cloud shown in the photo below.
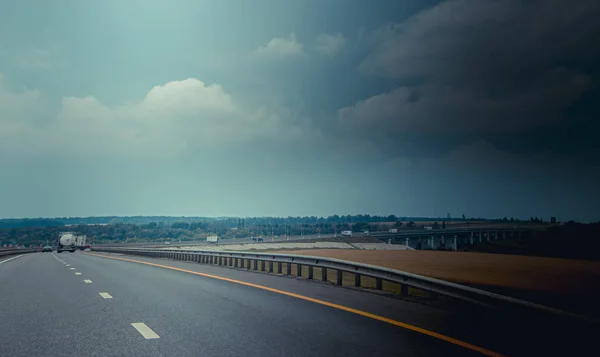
(279, 47)
(330, 44)
(170, 119)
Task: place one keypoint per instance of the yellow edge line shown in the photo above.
(321, 302)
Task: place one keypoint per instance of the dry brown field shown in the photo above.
(540, 274)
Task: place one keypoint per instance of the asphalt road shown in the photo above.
(48, 309)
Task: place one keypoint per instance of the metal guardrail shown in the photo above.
(15, 251)
(273, 263)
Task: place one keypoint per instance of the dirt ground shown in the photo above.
(506, 271)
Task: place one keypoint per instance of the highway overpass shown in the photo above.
(94, 303)
(452, 238)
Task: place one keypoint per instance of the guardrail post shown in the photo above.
(378, 284)
(278, 268)
(263, 265)
(339, 277)
(299, 270)
(270, 266)
(255, 263)
(310, 272)
(324, 274)
(356, 279)
(404, 289)
(235, 262)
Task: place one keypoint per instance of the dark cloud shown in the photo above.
(516, 73)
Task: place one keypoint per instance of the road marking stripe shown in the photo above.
(87, 281)
(72, 268)
(145, 330)
(9, 259)
(106, 295)
(67, 265)
(322, 302)
(78, 273)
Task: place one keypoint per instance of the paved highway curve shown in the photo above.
(85, 304)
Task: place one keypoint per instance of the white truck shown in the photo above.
(212, 239)
(346, 233)
(66, 241)
(80, 242)
(393, 230)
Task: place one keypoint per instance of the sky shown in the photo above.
(487, 108)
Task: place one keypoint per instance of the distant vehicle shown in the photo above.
(47, 248)
(80, 242)
(428, 228)
(347, 233)
(366, 232)
(87, 246)
(66, 241)
(257, 239)
(212, 239)
(393, 230)
(167, 243)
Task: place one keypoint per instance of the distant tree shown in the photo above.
(553, 220)
(463, 217)
(398, 224)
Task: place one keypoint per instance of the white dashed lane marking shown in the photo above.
(78, 273)
(72, 268)
(106, 295)
(87, 281)
(145, 330)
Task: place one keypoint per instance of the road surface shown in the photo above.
(85, 304)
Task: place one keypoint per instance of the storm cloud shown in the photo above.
(482, 70)
(481, 107)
